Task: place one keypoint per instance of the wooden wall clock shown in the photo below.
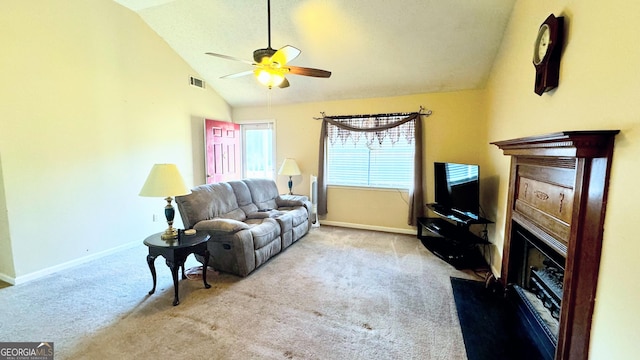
(546, 53)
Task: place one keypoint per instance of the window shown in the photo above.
(367, 162)
(258, 150)
(382, 164)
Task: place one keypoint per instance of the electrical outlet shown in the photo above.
(155, 218)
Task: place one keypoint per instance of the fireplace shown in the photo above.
(553, 236)
(537, 290)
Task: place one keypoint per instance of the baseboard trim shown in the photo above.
(8, 279)
(69, 264)
(489, 258)
(495, 271)
(369, 227)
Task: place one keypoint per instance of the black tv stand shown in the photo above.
(449, 237)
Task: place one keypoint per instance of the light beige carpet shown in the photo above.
(335, 294)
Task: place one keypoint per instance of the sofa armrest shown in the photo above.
(292, 200)
(221, 225)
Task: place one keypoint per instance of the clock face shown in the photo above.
(542, 44)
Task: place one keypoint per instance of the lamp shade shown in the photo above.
(289, 167)
(164, 180)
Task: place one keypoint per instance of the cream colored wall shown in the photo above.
(91, 99)
(599, 86)
(455, 128)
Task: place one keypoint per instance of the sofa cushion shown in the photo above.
(298, 214)
(207, 202)
(263, 231)
(243, 197)
(265, 214)
(264, 192)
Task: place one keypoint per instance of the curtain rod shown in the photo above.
(422, 111)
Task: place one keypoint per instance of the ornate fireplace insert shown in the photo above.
(537, 290)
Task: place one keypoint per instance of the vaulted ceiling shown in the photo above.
(374, 48)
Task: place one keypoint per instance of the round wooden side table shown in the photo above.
(175, 253)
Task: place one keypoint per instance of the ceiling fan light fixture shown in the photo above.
(269, 77)
(271, 65)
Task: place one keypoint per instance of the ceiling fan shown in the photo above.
(270, 66)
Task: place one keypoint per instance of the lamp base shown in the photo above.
(169, 213)
(169, 234)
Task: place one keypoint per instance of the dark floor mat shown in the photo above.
(487, 324)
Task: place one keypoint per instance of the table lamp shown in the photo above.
(289, 168)
(165, 180)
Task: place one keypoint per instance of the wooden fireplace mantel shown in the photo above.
(558, 191)
(588, 144)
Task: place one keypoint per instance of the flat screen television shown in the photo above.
(457, 188)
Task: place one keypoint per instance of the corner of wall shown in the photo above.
(7, 268)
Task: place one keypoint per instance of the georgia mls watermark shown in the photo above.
(26, 351)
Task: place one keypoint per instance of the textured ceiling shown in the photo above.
(374, 48)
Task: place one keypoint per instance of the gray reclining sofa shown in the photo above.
(248, 220)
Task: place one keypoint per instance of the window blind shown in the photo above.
(383, 165)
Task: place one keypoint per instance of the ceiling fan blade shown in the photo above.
(231, 58)
(284, 84)
(298, 70)
(285, 54)
(237, 75)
